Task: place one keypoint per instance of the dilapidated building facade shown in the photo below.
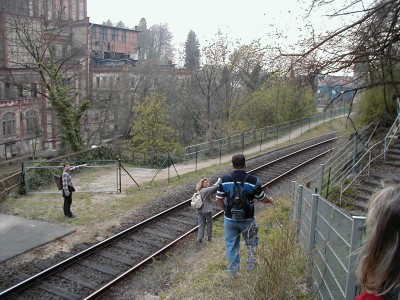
(30, 29)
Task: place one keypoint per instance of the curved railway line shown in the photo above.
(90, 273)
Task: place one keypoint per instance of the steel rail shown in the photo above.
(37, 279)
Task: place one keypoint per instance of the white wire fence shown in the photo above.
(95, 176)
(349, 162)
(330, 237)
(274, 133)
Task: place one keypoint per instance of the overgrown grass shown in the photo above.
(96, 207)
(281, 271)
(93, 208)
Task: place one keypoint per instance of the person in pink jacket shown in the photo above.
(378, 270)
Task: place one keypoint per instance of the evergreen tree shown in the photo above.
(144, 40)
(108, 23)
(192, 51)
(120, 24)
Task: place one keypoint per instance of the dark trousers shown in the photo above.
(67, 204)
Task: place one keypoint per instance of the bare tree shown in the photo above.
(369, 46)
(53, 53)
(208, 80)
(161, 38)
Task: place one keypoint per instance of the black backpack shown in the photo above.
(239, 202)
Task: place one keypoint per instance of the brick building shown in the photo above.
(27, 121)
(104, 68)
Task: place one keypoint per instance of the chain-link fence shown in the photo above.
(330, 237)
(275, 133)
(87, 176)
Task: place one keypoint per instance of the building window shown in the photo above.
(74, 10)
(115, 35)
(20, 91)
(103, 34)
(81, 8)
(98, 81)
(62, 10)
(30, 4)
(41, 8)
(123, 36)
(9, 127)
(6, 90)
(49, 5)
(33, 90)
(20, 7)
(94, 31)
(32, 121)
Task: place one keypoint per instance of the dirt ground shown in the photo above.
(101, 230)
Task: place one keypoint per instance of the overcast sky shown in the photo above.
(239, 20)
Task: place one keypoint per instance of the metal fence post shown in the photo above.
(321, 181)
(355, 243)
(299, 211)
(293, 208)
(311, 241)
(24, 181)
(197, 149)
(120, 177)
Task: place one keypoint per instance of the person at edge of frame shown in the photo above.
(378, 269)
(234, 227)
(204, 213)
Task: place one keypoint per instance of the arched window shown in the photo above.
(32, 121)
(9, 127)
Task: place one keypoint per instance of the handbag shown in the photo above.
(196, 201)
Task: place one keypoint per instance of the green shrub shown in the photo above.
(41, 177)
(348, 197)
(373, 108)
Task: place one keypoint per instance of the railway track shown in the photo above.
(90, 273)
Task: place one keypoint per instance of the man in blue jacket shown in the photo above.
(239, 220)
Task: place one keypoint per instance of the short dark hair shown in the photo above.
(238, 161)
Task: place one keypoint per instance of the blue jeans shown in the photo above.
(248, 229)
